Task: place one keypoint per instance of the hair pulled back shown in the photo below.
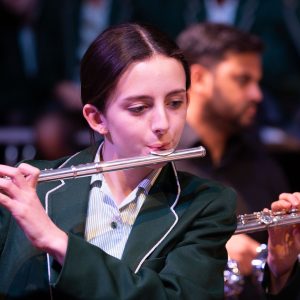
(113, 51)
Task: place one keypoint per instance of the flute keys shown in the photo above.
(266, 218)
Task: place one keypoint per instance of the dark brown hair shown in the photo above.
(114, 51)
(208, 43)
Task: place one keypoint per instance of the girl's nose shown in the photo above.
(160, 121)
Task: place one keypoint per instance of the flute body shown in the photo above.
(246, 223)
(259, 221)
(155, 157)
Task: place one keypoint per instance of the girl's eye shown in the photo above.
(175, 103)
(137, 109)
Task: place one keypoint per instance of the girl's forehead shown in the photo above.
(159, 73)
(156, 65)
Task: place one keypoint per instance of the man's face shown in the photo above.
(234, 90)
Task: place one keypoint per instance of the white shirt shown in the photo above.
(108, 225)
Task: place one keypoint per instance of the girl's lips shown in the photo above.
(160, 147)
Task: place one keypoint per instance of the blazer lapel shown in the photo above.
(154, 220)
(67, 205)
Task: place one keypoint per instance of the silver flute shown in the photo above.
(263, 220)
(246, 223)
(155, 157)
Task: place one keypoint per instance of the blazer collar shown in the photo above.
(63, 199)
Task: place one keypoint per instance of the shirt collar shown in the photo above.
(144, 186)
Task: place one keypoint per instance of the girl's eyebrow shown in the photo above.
(137, 97)
(147, 97)
(180, 91)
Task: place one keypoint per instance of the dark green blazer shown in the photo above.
(176, 249)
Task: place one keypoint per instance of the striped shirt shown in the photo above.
(108, 225)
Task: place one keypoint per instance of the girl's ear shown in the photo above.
(95, 118)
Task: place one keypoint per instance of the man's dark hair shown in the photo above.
(209, 43)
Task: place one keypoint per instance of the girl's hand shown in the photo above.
(18, 195)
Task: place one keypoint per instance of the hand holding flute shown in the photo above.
(283, 244)
(18, 195)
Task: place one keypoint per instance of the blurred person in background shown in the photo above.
(225, 66)
(55, 134)
(80, 21)
(277, 22)
(29, 58)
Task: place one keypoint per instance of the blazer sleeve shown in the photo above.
(192, 268)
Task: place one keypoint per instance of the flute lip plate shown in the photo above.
(163, 153)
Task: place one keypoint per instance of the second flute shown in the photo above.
(263, 220)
